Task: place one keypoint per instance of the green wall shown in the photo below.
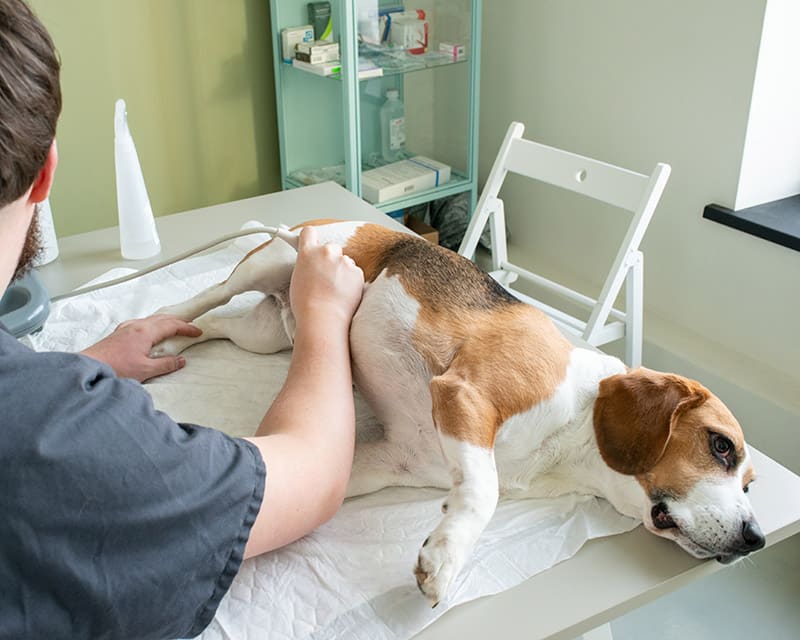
(197, 79)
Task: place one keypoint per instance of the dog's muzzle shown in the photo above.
(752, 539)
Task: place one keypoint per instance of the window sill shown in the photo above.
(777, 221)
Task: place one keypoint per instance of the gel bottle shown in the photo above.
(393, 127)
(137, 229)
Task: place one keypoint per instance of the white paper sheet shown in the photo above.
(351, 578)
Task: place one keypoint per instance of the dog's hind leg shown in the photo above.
(460, 413)
(260, 330)
(267, 269)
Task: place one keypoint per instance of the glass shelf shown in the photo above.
(458, 183)
(393, 64)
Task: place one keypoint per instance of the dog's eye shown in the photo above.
(722, 446)
(723, 450)
(746, 487)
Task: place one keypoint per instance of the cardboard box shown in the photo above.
(319, 15)
(422, 228)
(402, 178)
(317, 51)
(454, 50)
(321, 69)
(293, 36)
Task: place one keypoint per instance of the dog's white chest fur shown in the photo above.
(555, 436)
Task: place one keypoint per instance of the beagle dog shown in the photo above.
(480, 393)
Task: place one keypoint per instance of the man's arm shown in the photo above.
(307, 437)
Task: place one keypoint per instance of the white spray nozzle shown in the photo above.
(121, 120)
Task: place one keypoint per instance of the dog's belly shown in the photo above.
(391, 376)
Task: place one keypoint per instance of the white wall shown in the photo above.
(771, 162)
(634, 83)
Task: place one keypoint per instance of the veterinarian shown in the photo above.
(115, 521)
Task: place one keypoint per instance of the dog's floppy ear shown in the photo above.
(635, 413)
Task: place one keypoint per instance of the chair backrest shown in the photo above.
(634, 192)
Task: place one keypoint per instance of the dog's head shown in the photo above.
(688, 453)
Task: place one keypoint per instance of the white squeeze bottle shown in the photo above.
(47, 235)
(138, 237)
(393, 127)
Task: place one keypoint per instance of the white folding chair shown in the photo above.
(633, 192)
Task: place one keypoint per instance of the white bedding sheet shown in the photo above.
(351, 578)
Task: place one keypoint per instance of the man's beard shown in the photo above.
(31, 249)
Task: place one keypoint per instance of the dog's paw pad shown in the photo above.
(436, 567)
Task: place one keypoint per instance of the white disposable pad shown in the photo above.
(351, 578)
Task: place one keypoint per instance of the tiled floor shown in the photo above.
(755, 599)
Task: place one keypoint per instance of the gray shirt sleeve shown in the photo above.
(116, 521)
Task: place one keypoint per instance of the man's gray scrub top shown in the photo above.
(115, 522)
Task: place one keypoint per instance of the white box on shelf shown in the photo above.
(291, 37)
(321, 68)
(402, 178)
(368, 69)
(317, 51)
(452, 49)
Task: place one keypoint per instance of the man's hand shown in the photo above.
(326, 285)
(127, 350)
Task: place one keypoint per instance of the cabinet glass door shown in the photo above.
(423, 50)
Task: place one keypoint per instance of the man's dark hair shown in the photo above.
(30, 98)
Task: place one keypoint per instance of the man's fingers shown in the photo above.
(308, 238)
(333, 250)
(163, 365)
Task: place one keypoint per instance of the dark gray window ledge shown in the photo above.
(777, 221)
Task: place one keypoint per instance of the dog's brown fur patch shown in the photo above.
(477, 339)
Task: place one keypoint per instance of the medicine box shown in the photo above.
(402, 178)
(317, 51)
(319, 15)
(291, 37)
(456, 51)
(321, 68)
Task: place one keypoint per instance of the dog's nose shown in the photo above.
(752, 536)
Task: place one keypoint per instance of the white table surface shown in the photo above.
(605, 579)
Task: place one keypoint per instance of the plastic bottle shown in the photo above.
(47, 234)
(393, 127)
(138, 237)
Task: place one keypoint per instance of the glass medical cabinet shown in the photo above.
(328, 110)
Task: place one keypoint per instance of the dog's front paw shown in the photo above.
(438, 564)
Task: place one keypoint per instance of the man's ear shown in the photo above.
(634, 415)
(43, 182)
